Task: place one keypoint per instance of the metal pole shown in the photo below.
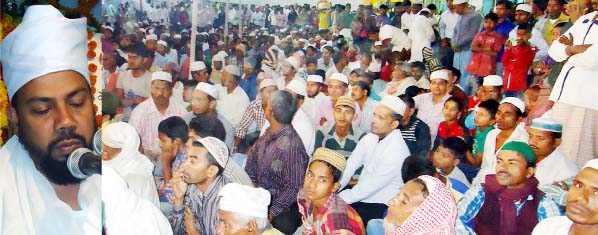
(226, 6)
(193, 32)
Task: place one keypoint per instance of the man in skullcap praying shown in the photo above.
(44, 64)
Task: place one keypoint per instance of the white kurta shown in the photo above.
(232, 105)
(367, 113)
(420, 38)
(29, 204)
(555, 167)
(382, 160)
(125, 212)
(304, 128)
(489, 157)
(401, 86)
(310, 105)
(558, 225)
(576, 84)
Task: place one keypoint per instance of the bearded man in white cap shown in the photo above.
(161, 56)
(147, 115)
(290, 72)
(582, 209)
(244, 210)
(218, 62)
(203, 102)
(429, 105)
(544, 139)
(314, 96)
(381, 153)
(196, 185)
(509, 127)
(44, 64)
(232, 98)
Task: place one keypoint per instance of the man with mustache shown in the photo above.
(582, 206)
(45, 68)
(509, 202)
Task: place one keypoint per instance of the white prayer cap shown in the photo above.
(340, 77)
(166, 34)
(515, 102)
(234, 70)
(163, 43)
(298, 87)
(394, 103)
(546, 124)
(197, 66)
(160, 75)
(151, 37)
(417, 2)
(378, 43)
(315, 78)
(177, 36)
(397, 48)
(426, 10)
(108, 28)
(252, 34)
(220, 43)
(245, 200)
(591, 164)
(386, 31)
(524, 7)
(151, 31)
(217, 149)
(219, 56)
(294, 62)
(45, 42)
(439, 74)
(208, 89)
(492, 80)
(140, 30)
(266, 83)
(457, 2)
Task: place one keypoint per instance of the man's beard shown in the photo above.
(312, 95)
(55, 170)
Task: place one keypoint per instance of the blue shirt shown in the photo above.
(249, 85)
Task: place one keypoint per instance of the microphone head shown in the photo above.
(73, 162)
(97, 142)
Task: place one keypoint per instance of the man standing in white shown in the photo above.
(381, 153)
(45, 69)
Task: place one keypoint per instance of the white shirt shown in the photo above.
(448, 20)
(536, 40)
(321, 65)
(546, 170)
(429, 112)
(557, 225)
(489, 156)
(420, 38)
(29, 204)
(304, 128)
(310, 105)
(232, 105)
(134, 86)
(367, 113)
(401, 87)
(406, 20)
(576, 85)
(382, 160)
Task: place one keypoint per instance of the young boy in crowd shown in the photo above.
(173, 133)
(517, 59)
(485, 47)
(447, 155)
(451, 127)
(322, 210)
(484, 121)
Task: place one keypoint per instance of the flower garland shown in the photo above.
(92, 66)
(3, 117)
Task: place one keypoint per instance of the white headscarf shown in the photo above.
(132, 165)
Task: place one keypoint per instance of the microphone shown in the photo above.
(83, 163)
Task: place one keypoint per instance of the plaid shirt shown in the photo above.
(253, 113)
(277, 163)
(472, 201)
(335, 217)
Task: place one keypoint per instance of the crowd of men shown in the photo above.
(403, 119)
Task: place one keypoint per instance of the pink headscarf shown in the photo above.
(435, 216)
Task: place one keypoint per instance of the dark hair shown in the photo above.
(336, 173)
(311, 61)
(541, 4)
(140, 50)
(383, 6)
(416, 165)
(337, 57)
(364, 86)
(211, 160)
(248, 141)
(455, 145)
(412, 91)
(207, 125)
(419, 181)
(502, 2)
(560, 25)
(457, 101)
(174, 127)
(456, 72)
(398, 117)
(525, 26)
(491, 106)
(418, 64)
(491, 16)
(408, 100)
(321, 72)
(283, 106)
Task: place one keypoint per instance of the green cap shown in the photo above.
(522, 148)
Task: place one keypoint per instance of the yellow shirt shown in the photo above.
(272, 231)
(548, 27)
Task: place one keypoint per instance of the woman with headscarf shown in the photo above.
(120, 145)
(423, 206)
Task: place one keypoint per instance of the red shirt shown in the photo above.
(450, 130)
(517, 61)
(483, 64)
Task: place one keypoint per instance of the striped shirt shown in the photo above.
(253, 114)
(277, 163)
(335, 217)
(327, 137)
(146, 117)
(417, 135)
(204, 206)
